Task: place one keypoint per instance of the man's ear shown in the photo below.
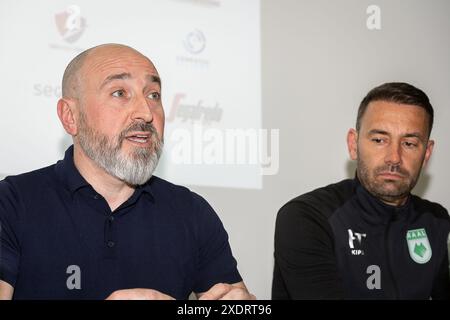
(66, 114)
(428, 152)
(352, 143)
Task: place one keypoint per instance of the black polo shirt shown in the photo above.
(59, 238)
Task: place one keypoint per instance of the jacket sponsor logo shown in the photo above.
(352, 236)
(374, 280)
(418, 245)
(74, 280)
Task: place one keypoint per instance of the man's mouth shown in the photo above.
(391, 175)
(141, 138)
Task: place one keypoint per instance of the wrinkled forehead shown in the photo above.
(102, 62)
(395, 117)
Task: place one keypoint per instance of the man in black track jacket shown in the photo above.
(369, 237)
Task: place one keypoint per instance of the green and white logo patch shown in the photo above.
(418, 245)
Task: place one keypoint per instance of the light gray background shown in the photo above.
(318, 61)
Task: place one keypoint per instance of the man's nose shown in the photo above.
(142, 110)
(393, 155)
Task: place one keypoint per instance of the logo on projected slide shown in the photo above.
(195, 42)
(70, 23)
(193, 112)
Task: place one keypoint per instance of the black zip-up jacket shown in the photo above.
(340, 242)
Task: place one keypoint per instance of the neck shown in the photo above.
(114, 190)
(397, 202)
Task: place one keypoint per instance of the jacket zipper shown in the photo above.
(386, 245)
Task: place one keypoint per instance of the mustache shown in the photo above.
(139, 126)
(392, 169)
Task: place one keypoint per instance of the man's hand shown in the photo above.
(138, 294)
(6, 291)
(225, 291)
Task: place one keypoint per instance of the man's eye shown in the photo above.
(410, 144)
(119, 93)
(154, 96)
(377, 140)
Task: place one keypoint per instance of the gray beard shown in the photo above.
(135, 169)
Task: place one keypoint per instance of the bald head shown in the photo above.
(72, 78)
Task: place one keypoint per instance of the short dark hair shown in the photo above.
(398, 92)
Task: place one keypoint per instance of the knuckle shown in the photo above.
(223, 286)
(151, 294)
(219, 286)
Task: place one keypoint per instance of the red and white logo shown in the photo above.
(70, 23)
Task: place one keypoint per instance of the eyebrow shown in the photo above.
(153, 78)
(127, 75)
(414, 135)
(408, 135)
(378, 131)
(118, 76)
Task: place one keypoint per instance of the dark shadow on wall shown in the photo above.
(422, 185)
(350, 168)
(419, 190)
